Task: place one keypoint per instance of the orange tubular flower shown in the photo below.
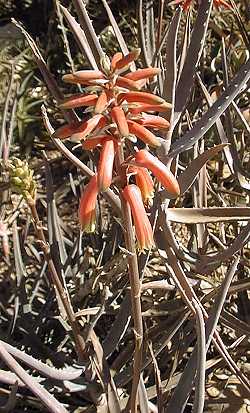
(126, 60)
(142, 133)
(185, 4)
(161, 172)
(69, 78)
(91, 143)
(87, 127)
(143, 73)
(66, 130)
(78, 100)
(153, 121)
(123, 82)
(80, 130)
(87, 206)
(101, 102)
(143, 229)
(143, 97)
(145, 183)
(147, 108)
(83, 76)
(117, 56)
(105, 166)
(219, 3)
(118, 116)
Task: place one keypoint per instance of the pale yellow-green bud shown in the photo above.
(105, 64)
(15, 181)
(21, 178)
(22, 172)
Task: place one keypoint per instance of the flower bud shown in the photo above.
(142, 133)
(106, 65)
(78, 100)
(161, 171)
(143, 229)
(101, 102)
(127, 83)
(67, 130)
(105, 165)
(86, 75)
(143, 73)
(129, 58)
(143, 97)
(87, 206)
(92, 142)
(136, 109)
(120, 120)
(153, 121)
(21, 178)
(86, 127)
(145, 183)
(117, 56)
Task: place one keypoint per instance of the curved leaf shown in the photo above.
(80, 38)
(187, 177)
(217, 109)
(205, 215)
(197, 42)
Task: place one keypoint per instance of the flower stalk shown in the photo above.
(22, 181)
(78, 339)
(135, 286)
(119, 112)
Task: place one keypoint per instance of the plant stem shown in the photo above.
(79, 341)
(135, 286)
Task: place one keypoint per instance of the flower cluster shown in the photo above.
(120, 112)
(186, 3)
(21, 178)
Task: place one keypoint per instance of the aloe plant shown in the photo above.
(151, 140)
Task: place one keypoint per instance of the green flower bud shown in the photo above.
(21, 178)
(15, 181)
(106, 65)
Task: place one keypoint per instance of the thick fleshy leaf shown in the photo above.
(187, 177)
(217, 109)
(206, 215)
(194, 53)
(48, 77)
(219, 125)
(87, 26)
(141, 34)
(80, 38)
(117, 32)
